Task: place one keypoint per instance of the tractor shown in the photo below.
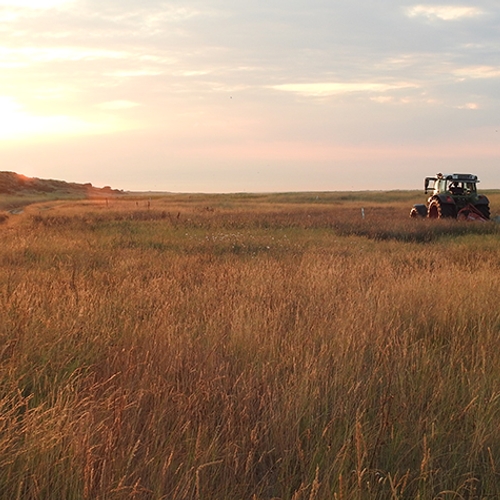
(453, 196)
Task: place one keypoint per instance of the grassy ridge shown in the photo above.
(17, 191)
(226, 347)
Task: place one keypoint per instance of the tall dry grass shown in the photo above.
(248, 350)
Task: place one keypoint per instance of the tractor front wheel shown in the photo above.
(418, 211)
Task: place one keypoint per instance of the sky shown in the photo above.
(259, 96)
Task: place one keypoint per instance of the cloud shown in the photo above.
(469, 105)
(383, 99)
(117, 105)
(478, 72)
(22, 56)
(336, 88)
(444, 12)
(133, 73)
(34, 4)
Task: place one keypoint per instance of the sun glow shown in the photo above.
(17, 123)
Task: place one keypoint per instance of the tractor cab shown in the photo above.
(454, 184)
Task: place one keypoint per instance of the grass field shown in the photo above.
(255, 347)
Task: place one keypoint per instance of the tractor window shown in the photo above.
(455, 187)
(470, 187)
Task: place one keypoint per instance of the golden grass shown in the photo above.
(232, 347)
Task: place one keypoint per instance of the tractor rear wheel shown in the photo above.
(433, 212)
(438, 210)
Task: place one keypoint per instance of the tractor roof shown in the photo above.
(458, 177)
